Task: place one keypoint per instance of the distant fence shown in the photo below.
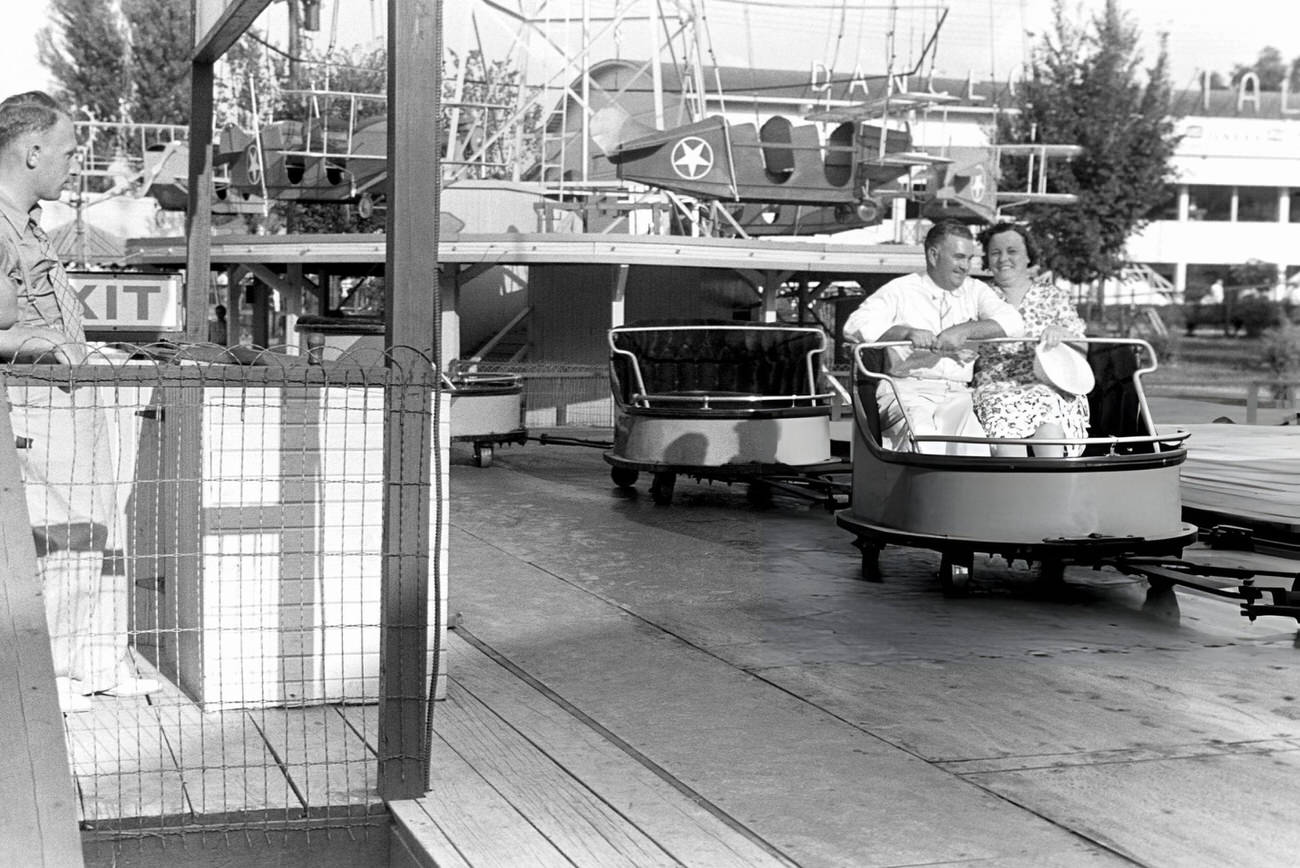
(558, 395)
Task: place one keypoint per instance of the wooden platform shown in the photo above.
(158, 761)
(1251, 472)
(522, 778)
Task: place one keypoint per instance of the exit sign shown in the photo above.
(130, 302)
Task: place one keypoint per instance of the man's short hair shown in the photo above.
(32, 112)
(946, 228)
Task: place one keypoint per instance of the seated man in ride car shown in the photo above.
(937, 311)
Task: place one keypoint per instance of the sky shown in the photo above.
(982, 37)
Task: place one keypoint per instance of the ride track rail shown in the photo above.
(1163, 574)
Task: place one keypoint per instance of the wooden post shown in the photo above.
(198, 219)
(411, 284)
(234, 302)
(618, 299)
(39, 826)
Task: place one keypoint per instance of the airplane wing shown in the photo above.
(1012, 198)
(1066, 152)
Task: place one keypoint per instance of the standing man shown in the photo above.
(937, 311)
(217, 333)
(67, 472)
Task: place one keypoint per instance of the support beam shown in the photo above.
(618, 300)
(293, 281)
(292, 294)
(261, 314)
(198, 217)
(234, 300)
(449, 339)
(218, 24)
(40, 808)
(767, 284)
(411, 323)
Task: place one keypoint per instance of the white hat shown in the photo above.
(1065, 368)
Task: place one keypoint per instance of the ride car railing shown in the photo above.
(718, 367)
(1152, 439)
(463, 381)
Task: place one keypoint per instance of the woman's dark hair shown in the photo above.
(1031, 246)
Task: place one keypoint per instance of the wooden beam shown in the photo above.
(198, 219)
(234, 299)
(237, 17)
(290, 284)
(411, 324)
(618, 299)
(38, 815)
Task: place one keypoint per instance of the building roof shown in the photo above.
(90, 245)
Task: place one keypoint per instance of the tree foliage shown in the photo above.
(1271, 69)
(246, 89)
(120, 68)
(159, 68)
(85, 51)
(1085, 88)
(488, 130)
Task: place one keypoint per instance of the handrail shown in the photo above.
(704, 399)
(1153, 437)
(499, 336)
(811, 369)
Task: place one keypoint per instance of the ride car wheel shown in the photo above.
(1051, 573)
(623, 477)
(954, 574)
(661, 490)
(483, 454)
(870, 562)
(759, 494)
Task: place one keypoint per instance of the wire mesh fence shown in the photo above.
(558, 395)
(211, 545)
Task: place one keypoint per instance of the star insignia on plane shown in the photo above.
(692, 158)
(977, 185)
(254, 165)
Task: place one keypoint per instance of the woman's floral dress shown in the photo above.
(1010, 400)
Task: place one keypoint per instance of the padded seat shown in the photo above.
(758, 361)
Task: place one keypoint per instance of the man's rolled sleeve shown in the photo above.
(1000, 311)
(872, 318)
(8, 291)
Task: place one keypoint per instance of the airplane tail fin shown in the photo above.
(612, 126)
(965, 188)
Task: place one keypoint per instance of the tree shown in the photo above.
(159, 71)
(1084, 89)
(1272, 70)
(247, 77)
(489, 121)
(86, 53)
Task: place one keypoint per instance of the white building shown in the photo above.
(1238, 172)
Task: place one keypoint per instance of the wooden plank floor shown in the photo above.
(519, 778)
(160, 760)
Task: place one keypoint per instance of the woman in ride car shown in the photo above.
(1010, 399)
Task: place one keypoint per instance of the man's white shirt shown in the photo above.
(917, 301)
